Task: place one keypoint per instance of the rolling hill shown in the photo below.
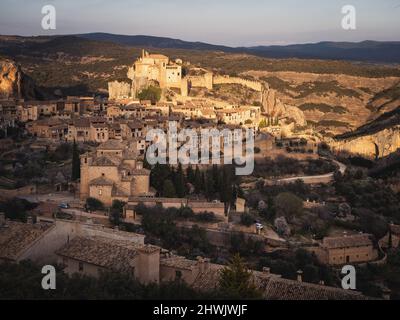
(371, 51)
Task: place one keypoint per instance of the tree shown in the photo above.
(180, 182)
(168, 189)
(116, 212)
(158, 175)
(190, 174)
(76, 163)
(246, 219)
(288, 205)
(94, 204)
(209, 186)
(197, 181)
(151, 93)
(16, 209)
(311, 273)
(236, 281)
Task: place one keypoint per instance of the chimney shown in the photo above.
(300, 276)
(322, 282)
(200, 263)
(266, 270)
(29, 220)
(386, 292)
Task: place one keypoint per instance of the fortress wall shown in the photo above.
(203, 81)
(255, 85)
(118, 90)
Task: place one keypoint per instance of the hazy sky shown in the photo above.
(229, 22)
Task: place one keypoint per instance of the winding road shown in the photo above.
(323, 178)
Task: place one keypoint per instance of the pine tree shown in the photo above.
(216, 177)
(209, 186)
(168, 189)
(180, 182)
(236, 281)
(76, 163)
(190, 174)
(197, 181)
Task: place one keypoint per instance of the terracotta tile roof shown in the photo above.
(81, 123)
(16, 237)
(347, 242)
(274, 287)
(101, 181)
(282, 289)
(103, 252)
(118, 192)
(106, 161)
(178, 262)
(111, 145)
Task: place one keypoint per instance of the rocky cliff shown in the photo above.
(376, 139)
(14, 83)
(333, 103)
(374, 146)
(273, 106)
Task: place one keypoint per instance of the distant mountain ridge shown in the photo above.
(366, 51)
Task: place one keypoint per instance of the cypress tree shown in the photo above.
(180, 182)
(76, 163)
(197, 180)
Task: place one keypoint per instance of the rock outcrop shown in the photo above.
(276, 108)
(377, 145)
(14, 83)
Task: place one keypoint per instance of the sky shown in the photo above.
(224, 22)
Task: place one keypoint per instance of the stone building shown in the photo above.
(113, 172)
(93, 255)
(203, 276)
(156, 67)
(198, 206)
(348, 249)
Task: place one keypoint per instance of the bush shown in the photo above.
(94, 204)
(288, 205)
(151, 93)
(246, 219)
(206, 217)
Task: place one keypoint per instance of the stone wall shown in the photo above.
(255, 85)
(119, 90)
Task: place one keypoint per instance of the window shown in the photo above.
(100, 192)
(80, 266)
(178, 274)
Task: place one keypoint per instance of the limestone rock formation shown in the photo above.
(14, 83)
(377, 145)
(276, 108)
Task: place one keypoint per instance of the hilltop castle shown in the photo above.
(167, 74)
(146, 69)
